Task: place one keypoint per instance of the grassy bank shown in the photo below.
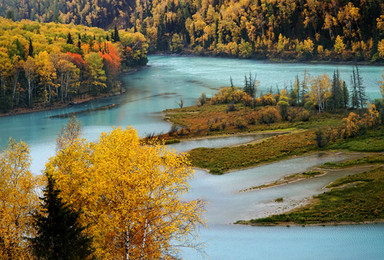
(353, 199)
(220, 160)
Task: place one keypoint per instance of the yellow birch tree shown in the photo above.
(18, 200)
(130, 195)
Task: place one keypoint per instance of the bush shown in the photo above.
(269, 115)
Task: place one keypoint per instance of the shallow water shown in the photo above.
(161, 86)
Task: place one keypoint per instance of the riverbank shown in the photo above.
(74, 102)
(354, 199)
(189, 53)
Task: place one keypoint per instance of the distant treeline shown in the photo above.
(48, 63)
(287, 29)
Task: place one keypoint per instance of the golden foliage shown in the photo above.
(129, 193)
(18, 200)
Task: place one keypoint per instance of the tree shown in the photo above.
(283, 105)
(337, 95)
(18, 199)
(96, 74)
(30, 48)
(250, 85)
(69, 38)
(130, 194)
(47, 73)
(345, 95)
(116, 37)
(59, 234)
(29, 67)
(320, 91)
(358, 90)
(69, 134)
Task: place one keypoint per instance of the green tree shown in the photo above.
(59, 234)
(30, 49)
(69, 39)
(116, 37)
(345, 95)
(337, 97)
(250, 85)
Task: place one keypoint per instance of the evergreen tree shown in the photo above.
(30, 49)
(354, 94)
(59, 234)
(250, 85)
(292, 96)
(360, 88)
(116, 35)
(345, 95)
(69, 39)
(336, 99)
(304, 87)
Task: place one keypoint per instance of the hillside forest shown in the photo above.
(284, 29)
(46, 63)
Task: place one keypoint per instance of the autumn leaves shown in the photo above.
(51, 63)
(129, 195)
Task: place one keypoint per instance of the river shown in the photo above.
(161, 86)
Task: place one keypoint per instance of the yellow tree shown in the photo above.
(130, 195)
(47, 72)
(320, 91)
(18, 200)
(29, 67)
(339, 45)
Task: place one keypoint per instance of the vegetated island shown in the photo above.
(337, 119)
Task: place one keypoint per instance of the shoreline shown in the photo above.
(325, 224)
(75, 102)
(273, 60)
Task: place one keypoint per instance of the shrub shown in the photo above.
(269, 115)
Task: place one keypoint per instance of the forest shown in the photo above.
(287, 29)
(46, 63)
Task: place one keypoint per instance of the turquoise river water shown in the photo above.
(160, 86)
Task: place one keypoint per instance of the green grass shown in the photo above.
(220, 160)
(364, 201)
(372, 159)
(372, 141)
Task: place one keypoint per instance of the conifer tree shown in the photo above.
(250, 85)
(116, 35)
(30, 49)
(345, 95)
(360, 88)
(354, 94)
(59, 235)
(337, 97)
(69, 39)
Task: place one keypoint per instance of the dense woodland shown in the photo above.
(287, 29)
(44, 63)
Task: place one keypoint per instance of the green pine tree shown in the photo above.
(30, 49)
(69, 39)
(59, 234)
(116, 35)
